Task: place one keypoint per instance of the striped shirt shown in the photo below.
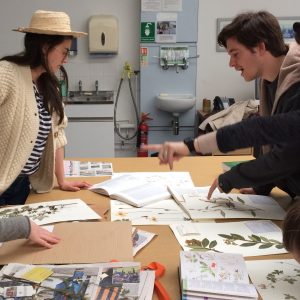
(33, 161)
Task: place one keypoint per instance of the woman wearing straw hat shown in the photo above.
(31, 110)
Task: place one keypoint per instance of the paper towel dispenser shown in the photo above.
(103, 34)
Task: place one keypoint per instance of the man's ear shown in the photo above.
(261, 48)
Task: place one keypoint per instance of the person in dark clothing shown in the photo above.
(256, 48)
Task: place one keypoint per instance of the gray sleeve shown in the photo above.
(14, 228)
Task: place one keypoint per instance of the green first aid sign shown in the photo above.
(147, 31)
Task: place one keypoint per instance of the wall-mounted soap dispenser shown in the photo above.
(103, 34)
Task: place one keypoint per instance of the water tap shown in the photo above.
(96, 86)
(80, 86)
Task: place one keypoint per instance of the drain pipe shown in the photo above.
(175, 124)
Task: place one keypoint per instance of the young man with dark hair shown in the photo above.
(256, 48)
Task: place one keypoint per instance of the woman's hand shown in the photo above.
(169, 151)
(73, 186)
(42, 236)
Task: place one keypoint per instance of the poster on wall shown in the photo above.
(171, 5)
(151, 5)
(166, 27)
(161, 5)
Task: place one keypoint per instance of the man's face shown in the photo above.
(248, 62)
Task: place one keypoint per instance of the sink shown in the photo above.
(90, 97)
(175, 103)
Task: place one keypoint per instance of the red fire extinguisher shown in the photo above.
(142, 136)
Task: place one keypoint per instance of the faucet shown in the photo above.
(175, 124)
(96, 86)
(80, 86)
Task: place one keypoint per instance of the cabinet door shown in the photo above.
(89, 138)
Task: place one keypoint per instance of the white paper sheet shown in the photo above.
(52, 211)
(275, 279)
(233, 237)
(224, 206)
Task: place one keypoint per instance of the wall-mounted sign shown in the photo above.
(147, 31)
(144, 56)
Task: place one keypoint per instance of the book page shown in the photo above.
(142, 195)
(213, 266)
(146, 285)
(117, 184)
(219, 289)
(214, 273)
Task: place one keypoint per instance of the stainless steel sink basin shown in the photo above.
(90, 97)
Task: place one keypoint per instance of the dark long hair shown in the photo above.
(296, 28)
(251, 28)
(34, 56)
(291, 229)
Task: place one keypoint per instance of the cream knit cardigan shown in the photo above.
(19, 124)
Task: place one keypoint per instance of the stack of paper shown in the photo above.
(76, 168)
(214, 275)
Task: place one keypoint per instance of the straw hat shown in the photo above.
(50, 22)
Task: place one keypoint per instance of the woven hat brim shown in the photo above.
(50, 32)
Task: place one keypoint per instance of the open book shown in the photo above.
(141, 188)
(214, 275)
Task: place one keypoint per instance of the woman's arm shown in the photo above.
(60, 174)
(21, 227)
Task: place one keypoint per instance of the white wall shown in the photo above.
(15, 13)
(84, 67)
(215, 78)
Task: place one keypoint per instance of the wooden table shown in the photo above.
(164, 248)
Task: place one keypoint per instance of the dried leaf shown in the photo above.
(248, 244)
(237, 237)
(255, 238)
(225, 236)
(205, 242)
(240, 200)
(265, 246)
(212, 244)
